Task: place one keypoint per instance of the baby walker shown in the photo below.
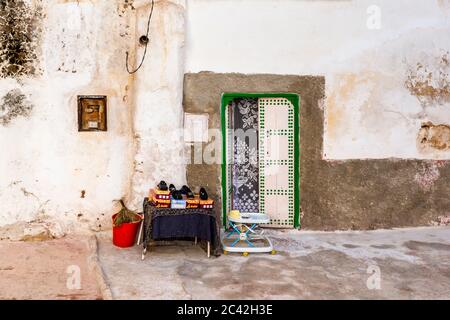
(245, 235)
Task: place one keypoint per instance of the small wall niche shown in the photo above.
(92, 115)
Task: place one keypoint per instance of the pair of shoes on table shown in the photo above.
(185, 190)
(178, 194)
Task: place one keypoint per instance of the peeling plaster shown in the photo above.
(428, 174)
(14, 104)
(442, 220)
(369, 111)
(431, 83)
(20, 32)
(124, 6)
(159, 152)
(434, 137)
(79, 49)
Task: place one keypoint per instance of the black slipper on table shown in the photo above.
(177, 195)
(162, 185)
(184, 189)
(187, 191)
(172, 188)
(203, 194)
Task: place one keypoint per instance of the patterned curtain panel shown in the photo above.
(245, 167)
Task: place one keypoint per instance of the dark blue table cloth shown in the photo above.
(180, 224)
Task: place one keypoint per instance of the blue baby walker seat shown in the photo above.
(245, 235)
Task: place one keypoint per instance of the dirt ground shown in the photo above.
(395, 264)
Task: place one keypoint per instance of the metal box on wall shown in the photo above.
(92, 115)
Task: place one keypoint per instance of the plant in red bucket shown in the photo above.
(125, 226)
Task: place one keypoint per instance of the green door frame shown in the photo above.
(295, 100)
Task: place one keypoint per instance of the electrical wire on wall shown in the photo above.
(143, 40)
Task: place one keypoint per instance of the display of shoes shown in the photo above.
(168, 196)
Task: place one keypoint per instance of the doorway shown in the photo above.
(260, 156)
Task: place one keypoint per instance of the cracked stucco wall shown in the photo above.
(375, 141)
(50, 171)
(386, 90)
(382, 84)
(158, 112)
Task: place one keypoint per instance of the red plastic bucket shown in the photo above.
(125, 235)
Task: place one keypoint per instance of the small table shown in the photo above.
(172, 224)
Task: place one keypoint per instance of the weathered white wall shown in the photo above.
(378, 96)
(45, 162)
(158, 113)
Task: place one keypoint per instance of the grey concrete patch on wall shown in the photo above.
(20, 31)
(352, 194)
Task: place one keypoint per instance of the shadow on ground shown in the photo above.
(412, 264)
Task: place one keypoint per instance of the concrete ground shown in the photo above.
(409, 263)
(55, 269)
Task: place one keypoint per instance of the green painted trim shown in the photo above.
(297, 180)
(223, 109)
(228, 97)
(295, 100)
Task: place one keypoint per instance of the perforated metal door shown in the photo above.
(276, 154)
